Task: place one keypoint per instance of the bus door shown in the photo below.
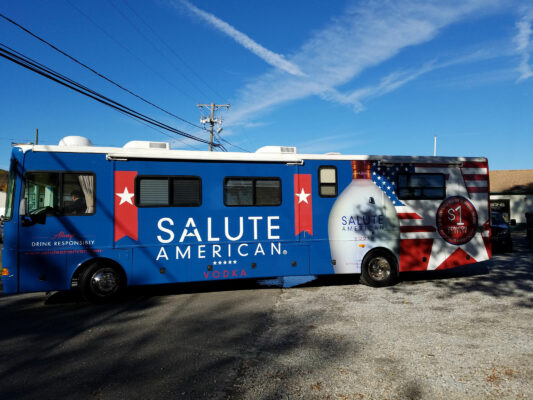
(55, 223)
(315, 194)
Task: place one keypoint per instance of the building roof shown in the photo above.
(518, 181)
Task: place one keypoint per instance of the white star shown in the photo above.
(302, 196)
(125, 197)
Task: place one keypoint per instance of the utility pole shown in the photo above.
(211, 119)
(36, 136)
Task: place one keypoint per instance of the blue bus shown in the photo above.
(98, 219)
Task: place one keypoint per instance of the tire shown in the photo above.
(379, 269)
(102, 282)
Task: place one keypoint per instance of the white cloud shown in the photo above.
(388, 84)
(522, 41)
(274, 59)
(366, 35)
(397, 79)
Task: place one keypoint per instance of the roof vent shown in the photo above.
(75, 141)
(277, 149)
(141, 144)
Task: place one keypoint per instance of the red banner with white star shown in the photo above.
(303, 206)
(125, 209)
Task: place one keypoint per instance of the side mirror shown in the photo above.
(22, 207)
(39, 218)
(513, 222)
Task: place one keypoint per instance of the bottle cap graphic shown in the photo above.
(361, 169)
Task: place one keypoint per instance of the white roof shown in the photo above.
(144, 152)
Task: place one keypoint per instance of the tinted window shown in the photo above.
(267, 192)
(252, 192)
(421, 186)
(186, 191)
(168, 191)
(153, 192)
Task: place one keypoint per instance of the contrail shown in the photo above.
(276, 60)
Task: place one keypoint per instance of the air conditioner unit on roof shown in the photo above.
(75, 141)
(142, 144)
(277, 150)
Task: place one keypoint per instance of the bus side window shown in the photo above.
(78, 193)
(59, 193)
(327, 181)
(421, 186)
(168, 191)
(253, 191)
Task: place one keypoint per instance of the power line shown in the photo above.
(231, 144)
(130, 52)
(42, 70)
(96, 72)
(172, 51)
(163, 133)
(148, 40)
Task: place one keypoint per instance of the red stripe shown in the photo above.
(409, 216)
(421, 228)
(126, 220)
(472, 189)
(468, 177)
(303, 209)
(475, 164)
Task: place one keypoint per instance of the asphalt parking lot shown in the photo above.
(462, 333)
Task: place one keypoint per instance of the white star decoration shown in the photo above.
(224, 262)
(125, 197)
(441, 250)
(302, 196)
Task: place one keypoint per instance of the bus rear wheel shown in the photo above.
(379, 269)
(101, 282)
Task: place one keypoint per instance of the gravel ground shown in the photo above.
(463, 333)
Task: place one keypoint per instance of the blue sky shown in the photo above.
(357, 77)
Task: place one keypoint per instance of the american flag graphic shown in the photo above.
(421, 245)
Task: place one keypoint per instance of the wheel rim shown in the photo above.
(104, 282)
(379, 269)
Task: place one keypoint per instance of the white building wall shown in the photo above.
(519, 204)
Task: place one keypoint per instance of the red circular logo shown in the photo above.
(457, 220)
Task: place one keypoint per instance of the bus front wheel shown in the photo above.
(379, 269)
(101, 282)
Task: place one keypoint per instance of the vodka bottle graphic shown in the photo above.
(363, 217)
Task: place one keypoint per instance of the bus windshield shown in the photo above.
(10, 195)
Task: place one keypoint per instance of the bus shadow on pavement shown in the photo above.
(153, 291)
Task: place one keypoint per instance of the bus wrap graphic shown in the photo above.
(125, 210)
(457, 220)
(303, 205)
